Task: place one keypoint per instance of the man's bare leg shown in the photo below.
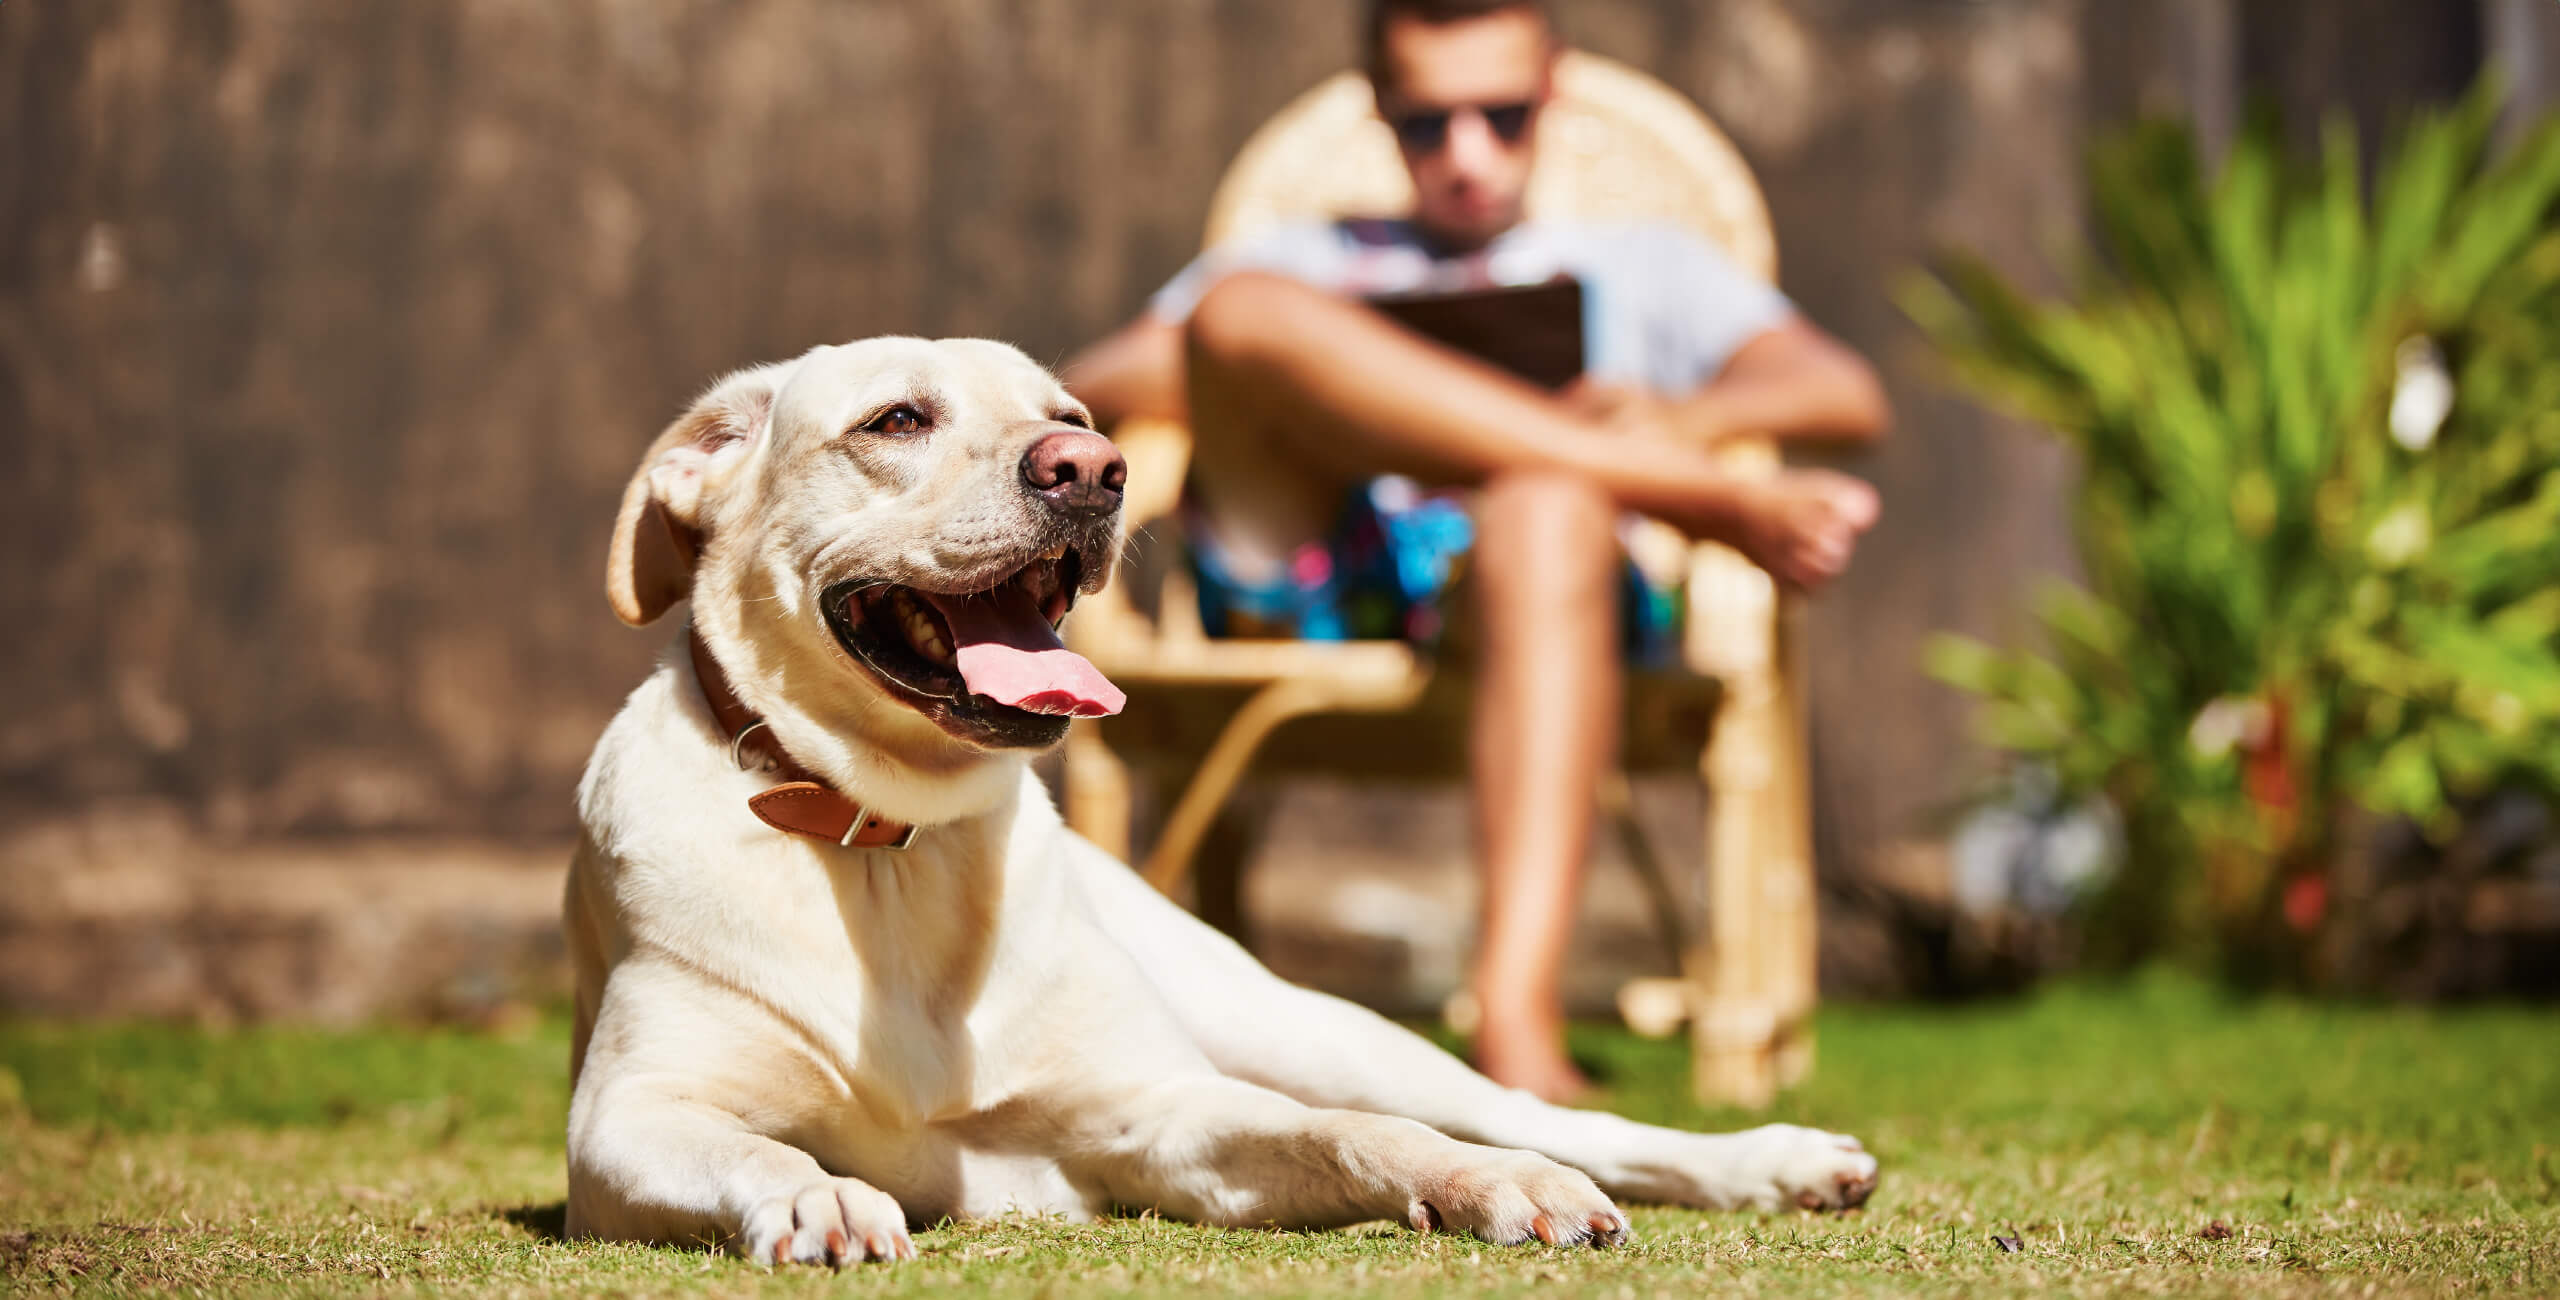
(1295, 393)
(1546, 724)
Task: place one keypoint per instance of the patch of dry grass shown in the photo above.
(2347, 1151)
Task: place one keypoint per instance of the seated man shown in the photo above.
(1299, 396)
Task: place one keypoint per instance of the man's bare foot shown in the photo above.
(1801, 525)
(1528, 1056)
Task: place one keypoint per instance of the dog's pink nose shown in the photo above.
(1077, 470)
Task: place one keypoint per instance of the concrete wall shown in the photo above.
(328, 332)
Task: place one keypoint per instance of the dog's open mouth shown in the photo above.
(991, 659)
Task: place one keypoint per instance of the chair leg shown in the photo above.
(1219, 771)
(1756, 976)
(1737, 1023)
(1796, 907)
(1734, 1024)
(1097, 789)
(1219, 866)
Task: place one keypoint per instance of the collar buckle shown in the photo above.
(783, 807)
(862, 814)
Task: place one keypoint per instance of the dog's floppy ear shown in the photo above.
(659, 533)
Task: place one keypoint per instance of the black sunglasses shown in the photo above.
(1426, 131)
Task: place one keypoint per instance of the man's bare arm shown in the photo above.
(1135, 372)
(1792, 381)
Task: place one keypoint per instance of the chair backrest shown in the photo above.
(1613, 144)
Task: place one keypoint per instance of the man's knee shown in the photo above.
(1546, 509)
(1554, 530)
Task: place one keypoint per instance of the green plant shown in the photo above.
(2309, 582)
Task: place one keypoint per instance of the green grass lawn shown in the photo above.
(2347, 1150)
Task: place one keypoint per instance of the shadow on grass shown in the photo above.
(545, 1222)
(550, 1223)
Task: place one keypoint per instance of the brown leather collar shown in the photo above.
(802, 804)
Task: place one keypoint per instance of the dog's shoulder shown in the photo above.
(659, 794)
(654, 742)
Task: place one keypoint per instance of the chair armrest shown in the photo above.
(1109, 623)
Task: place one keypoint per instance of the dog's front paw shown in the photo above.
(1508, 1197)
(835, 1221)
(1779, 1165)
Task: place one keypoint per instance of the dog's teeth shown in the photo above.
(923, 634)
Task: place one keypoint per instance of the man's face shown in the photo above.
(1464, 98)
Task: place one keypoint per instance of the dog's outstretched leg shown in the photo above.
(1218, 1150)
(1324, 1051)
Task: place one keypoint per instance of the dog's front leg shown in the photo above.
(651, 1166)
(1221, 1151)
(662, 1147)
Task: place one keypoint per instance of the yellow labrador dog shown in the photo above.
(841, 970)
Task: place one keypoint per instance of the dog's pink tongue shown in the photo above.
(1011, 655)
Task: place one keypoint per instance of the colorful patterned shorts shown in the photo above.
(1395, 552)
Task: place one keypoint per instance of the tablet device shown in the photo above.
(1534, 331)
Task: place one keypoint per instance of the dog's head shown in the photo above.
(879, 540)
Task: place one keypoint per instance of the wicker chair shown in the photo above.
(1613, 144)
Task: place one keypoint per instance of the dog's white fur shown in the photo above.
(798, 1050)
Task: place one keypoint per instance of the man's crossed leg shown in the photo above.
(1295, 395)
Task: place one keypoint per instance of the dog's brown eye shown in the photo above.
(1076, 418)
(895, 421)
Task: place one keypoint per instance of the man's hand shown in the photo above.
(1802, 525)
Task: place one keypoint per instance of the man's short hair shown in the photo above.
(1373, 36)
